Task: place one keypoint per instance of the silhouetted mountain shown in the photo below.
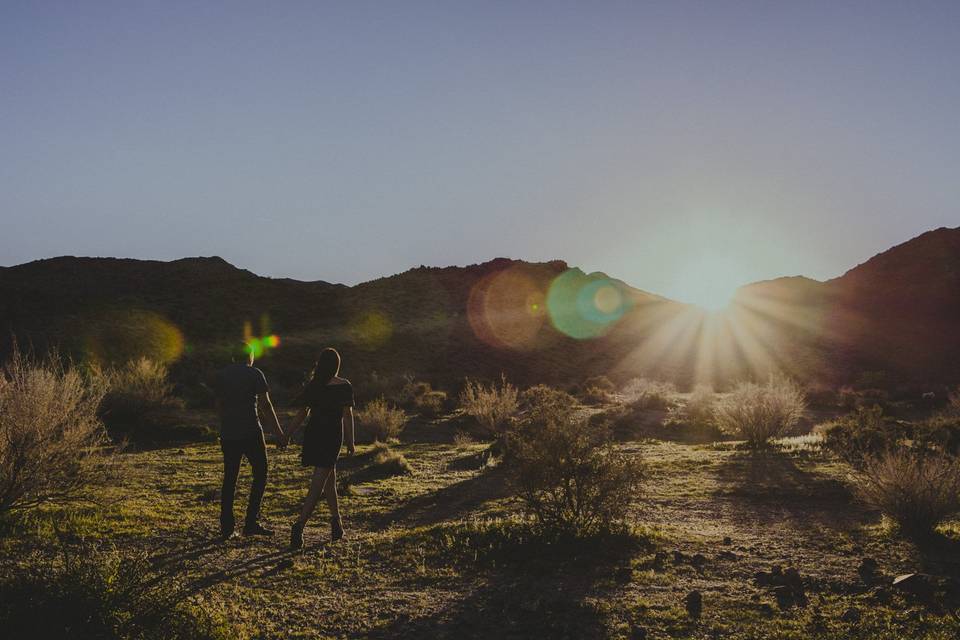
(897, 313)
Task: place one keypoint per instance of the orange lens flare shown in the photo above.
(506, 309)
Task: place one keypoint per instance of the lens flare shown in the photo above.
(371, 330)
(259, 346)
(585, 306)
(118, 336)
(506, 308)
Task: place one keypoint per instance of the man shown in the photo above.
(241, 389)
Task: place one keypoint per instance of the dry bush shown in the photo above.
(492, 405)
(569, 476)
(380, 421)
(596, 396)
(389, 462)
(697, 411)
(642, 393)
(757, 412)
(431, 403)
(916, 489)
(51, 440)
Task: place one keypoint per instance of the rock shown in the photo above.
(727, 555)
(694, 604)
(659, 560)
(698, 560)
(867, 570)
(638, 633)
(851, 615)
(919, 585)
(181, 452)
(678, 556)
(727, 541)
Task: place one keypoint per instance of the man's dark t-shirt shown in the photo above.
(237, 387)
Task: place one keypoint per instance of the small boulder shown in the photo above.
(698, 560)
(727, 541)
(694, 604)
(678, 556)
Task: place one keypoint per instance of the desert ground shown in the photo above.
(437, 547)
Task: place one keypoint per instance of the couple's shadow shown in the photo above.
(263, 565)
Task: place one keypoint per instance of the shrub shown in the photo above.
(569, 477)
(642, 393)
(697, 411)
(862, 433)
(914, 488)
(602, 383)
(757, 413)
(51, 440)
(378, 420)
(491, 405)
(86, 594)
(868, 432)
(140, 405)
(431, 403)
(596, 395)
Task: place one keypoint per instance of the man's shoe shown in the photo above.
(296, 536)
(257, 530)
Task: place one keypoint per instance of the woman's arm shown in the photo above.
(347, 423)
(297, 423)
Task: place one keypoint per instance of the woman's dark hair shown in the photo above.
(327, 366)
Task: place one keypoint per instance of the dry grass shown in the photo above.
(757, 412)
(380, 421)
(51, 440)
(917, 490)
(491, 405)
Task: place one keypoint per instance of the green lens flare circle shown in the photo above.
(584, 307)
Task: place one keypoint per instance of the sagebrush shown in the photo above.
(52, 442)
(917, 489)
(491, 405)
(759, 412)
(568, 475)
(643, 393)
(380, 421)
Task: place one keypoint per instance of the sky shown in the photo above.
(684, 147)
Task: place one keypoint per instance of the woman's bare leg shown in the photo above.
(317, 484)
(330, 491)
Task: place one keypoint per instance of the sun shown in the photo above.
(710, 281)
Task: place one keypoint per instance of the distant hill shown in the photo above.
(898, 313)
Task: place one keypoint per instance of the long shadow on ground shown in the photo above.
(534, 589)
(452, 501)
(773, 484)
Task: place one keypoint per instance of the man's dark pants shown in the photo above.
(255, 450)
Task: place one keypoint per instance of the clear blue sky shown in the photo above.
(684, 147)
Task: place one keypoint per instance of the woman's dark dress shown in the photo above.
(323, 435)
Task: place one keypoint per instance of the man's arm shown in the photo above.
(347, 423)
(266, 407)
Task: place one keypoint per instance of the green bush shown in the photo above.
(758, 413)
(84, 594)
(51, 440)
(380, 421)
(492, 406)
(915, 488)
(569, 476)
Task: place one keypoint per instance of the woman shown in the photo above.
(328, 399)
